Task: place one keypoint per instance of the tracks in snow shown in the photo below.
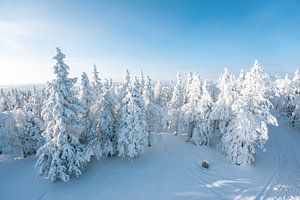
(284, 182)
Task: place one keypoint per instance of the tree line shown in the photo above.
(66, 126)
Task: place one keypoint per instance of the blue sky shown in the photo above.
(159, 37)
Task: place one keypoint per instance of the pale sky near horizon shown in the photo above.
(159, 37)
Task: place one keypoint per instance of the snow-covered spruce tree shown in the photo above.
(204, 126)
(96, 82)
(168, 89)
(20, 133)
(174, 107)
(120, 93)
(284, 102)
(188, 88)
(296, 82)
(257, 80)
(248, 129)
(191, 109)
(61, 155)
(158, 95)
(152, 109)
(294, 99)
(108, 121)
(295, 118)
(160, 102)
(4, 106)
(8, 134)
(222, 111)
(238, 83)
(15, 101)
(103, 142)
(131, 132)
(86, 99)
(126, 84)
(29, 130)
(35, 103)
(141, 81)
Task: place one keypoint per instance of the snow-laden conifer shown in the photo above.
(248, 129)
(203, 128)
(61, 155)
(108, 121)
(222, 109)
(131, 132)
(153, 110)
(87, 99)
(4, 101)
(192, 108)
(174, 107)
(20, 133)
(96, 82)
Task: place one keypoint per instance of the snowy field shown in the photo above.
(170, 169)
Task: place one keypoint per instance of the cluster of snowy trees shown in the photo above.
(232, 112)
(66, 126)
(286, 98)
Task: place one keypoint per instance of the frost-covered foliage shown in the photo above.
(96, 83)
(4, 101)
(286, 100)
(248, 129)
(107, 123)
(61, 155)
(177, 99)
(203, 127)
(173, 118)
(222, 110)
(29, 129)
(20, 133)
(35, 102)
(87, 100)
(15, 100)
(153, 110)
(68, 125)
(192, 107)
(283, 100)
(8, 133)
(141, 81)
(131, 132)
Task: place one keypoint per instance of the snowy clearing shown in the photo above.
(171, 169)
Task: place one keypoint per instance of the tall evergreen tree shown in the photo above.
(87, 100)
(96, 83)
(141, 81)
(131, 133)
(152, 109)
(222, 109)
(61, 156)
(248, 129)
(174, 107)
(4, 101)
(203, 127)
(108, 122)
(35, 102)
(20, 133)
(188, 87)
(191, 109)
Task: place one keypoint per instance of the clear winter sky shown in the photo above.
(157, 36)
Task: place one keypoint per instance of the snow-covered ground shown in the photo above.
(170, 169)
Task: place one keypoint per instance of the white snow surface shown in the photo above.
(170, 169)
